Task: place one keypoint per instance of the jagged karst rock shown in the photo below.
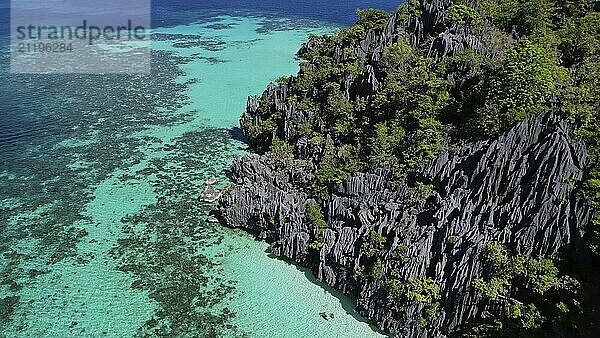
(516, 189)
(447, 41)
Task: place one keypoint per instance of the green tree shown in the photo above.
(522, 86)
(314, 216)
(530, 292)
(371, 18)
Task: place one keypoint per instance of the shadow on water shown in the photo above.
(237, 134)
(347, 303)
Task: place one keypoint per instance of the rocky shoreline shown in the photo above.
(518, 189)
(488, 191)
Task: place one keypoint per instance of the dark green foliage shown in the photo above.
(529, 17)
(579, 42)
(377, 269)
(396, 56)
(314, 216)
(263, 131)
(427, 141)
(282, 79)
(410, 103)
(467, 69)
(400, 253)
(339, 109)
(536, 18)
(368, 19)
(305, 129)
(579, 39)
(373, 248)
(359, 272)
(326, 177)
(375, 244)
(530, 292)
(371, 18)
(280, 148)
(463, 15)
(409, 9)
(523, 86)
(421, 192)
(387, 138)
(420, 290)
(377, 239)
(558, 67)
(335, 168)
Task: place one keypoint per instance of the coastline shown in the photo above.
(146, 228)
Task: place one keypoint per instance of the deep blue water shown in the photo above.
(23, 118)
(340, 12)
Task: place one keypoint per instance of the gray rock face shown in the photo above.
(267, 200)
(516, 190)
(452, 43)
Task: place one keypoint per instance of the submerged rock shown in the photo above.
(327, 315)
(7, 307)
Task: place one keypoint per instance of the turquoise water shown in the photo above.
(102, 235)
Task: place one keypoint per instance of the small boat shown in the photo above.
(212, 181)
(212, 219)
(210, 194)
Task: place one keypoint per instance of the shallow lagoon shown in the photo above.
(101, 231)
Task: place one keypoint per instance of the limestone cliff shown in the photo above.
(515, 190)
(518, 188)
